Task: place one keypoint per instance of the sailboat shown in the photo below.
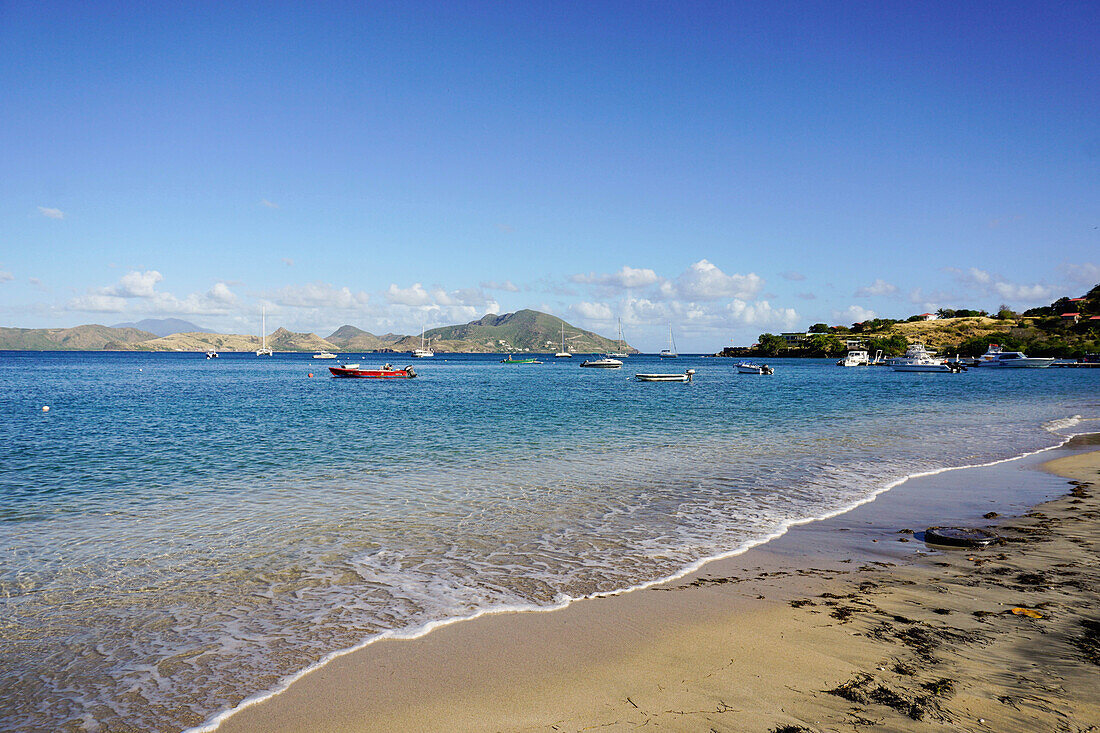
(670, 352)
(619, 353)
(424, 351)
(563, 354)
(263, 350)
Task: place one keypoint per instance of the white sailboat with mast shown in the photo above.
(263, 350)
(563, 354)
(619, 353)
(425, 351)
(670, 352)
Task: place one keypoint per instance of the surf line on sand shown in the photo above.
(284, 684)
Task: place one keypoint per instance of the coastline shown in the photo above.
(616, 659)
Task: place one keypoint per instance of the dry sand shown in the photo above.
(763, 642)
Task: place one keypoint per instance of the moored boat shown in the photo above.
(619, 353)
(855, 358)
(995, 356)
(750, 368)
(685, 377)
(324, 355)
(919, 359)
(211, 354)
(386, 372)
(564, 353)
(512, 360)
(670, 352)
(605, 363)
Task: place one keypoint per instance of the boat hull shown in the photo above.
(1031, 362)
(922, 368)
(685, 377)
(602, 364)
(352, 373)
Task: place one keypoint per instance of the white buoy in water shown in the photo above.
(45, 408)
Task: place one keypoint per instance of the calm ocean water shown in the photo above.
(178, 533)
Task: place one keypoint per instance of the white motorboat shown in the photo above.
(563, 354)
(854, 359)
(211, 354)
(605, 363)
(324, 355)
(670, 352)
(685, 377)
(995, 356)
(749, 368)
(263, 350)
(919, 359)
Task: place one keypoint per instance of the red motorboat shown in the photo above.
(386, 372)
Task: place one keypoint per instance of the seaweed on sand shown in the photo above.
(1089, 641)
(863, 690)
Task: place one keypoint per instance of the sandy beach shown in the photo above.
(837, 626)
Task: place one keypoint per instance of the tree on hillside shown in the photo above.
(819, 328)
(824, 345)
(770, 344)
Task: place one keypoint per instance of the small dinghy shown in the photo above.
(685, 377)
(747, 368)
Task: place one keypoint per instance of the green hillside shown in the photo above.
(525, 330)
(350, 338)
(80, 338)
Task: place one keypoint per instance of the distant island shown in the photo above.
(1067, 328)
(523, 331)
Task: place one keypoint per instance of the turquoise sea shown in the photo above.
(178, 533)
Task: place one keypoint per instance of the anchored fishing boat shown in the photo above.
(386, 372)
(512, 360)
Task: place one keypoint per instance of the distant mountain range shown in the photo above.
(165, 326)
(523, 331)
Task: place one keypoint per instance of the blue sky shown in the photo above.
(731, 168)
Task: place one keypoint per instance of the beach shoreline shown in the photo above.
(650, 655)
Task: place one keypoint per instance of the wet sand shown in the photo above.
(840, 625)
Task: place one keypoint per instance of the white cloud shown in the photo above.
(877, 288)
(6, 276)
(986, 283)
(268, 204)
(1086, 274)
(97, 304)
(507, 286)
(288, 262)
(705, 281)
(807, 296)
(135, 284)
(593, 311)
(761, 314)
(415, 295)
(51, 213)
(320, 295)
(792, 275)
(136, 292)
(627, 277)
(853, 314)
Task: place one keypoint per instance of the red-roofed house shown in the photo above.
(929, 316)
(1071, 317)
